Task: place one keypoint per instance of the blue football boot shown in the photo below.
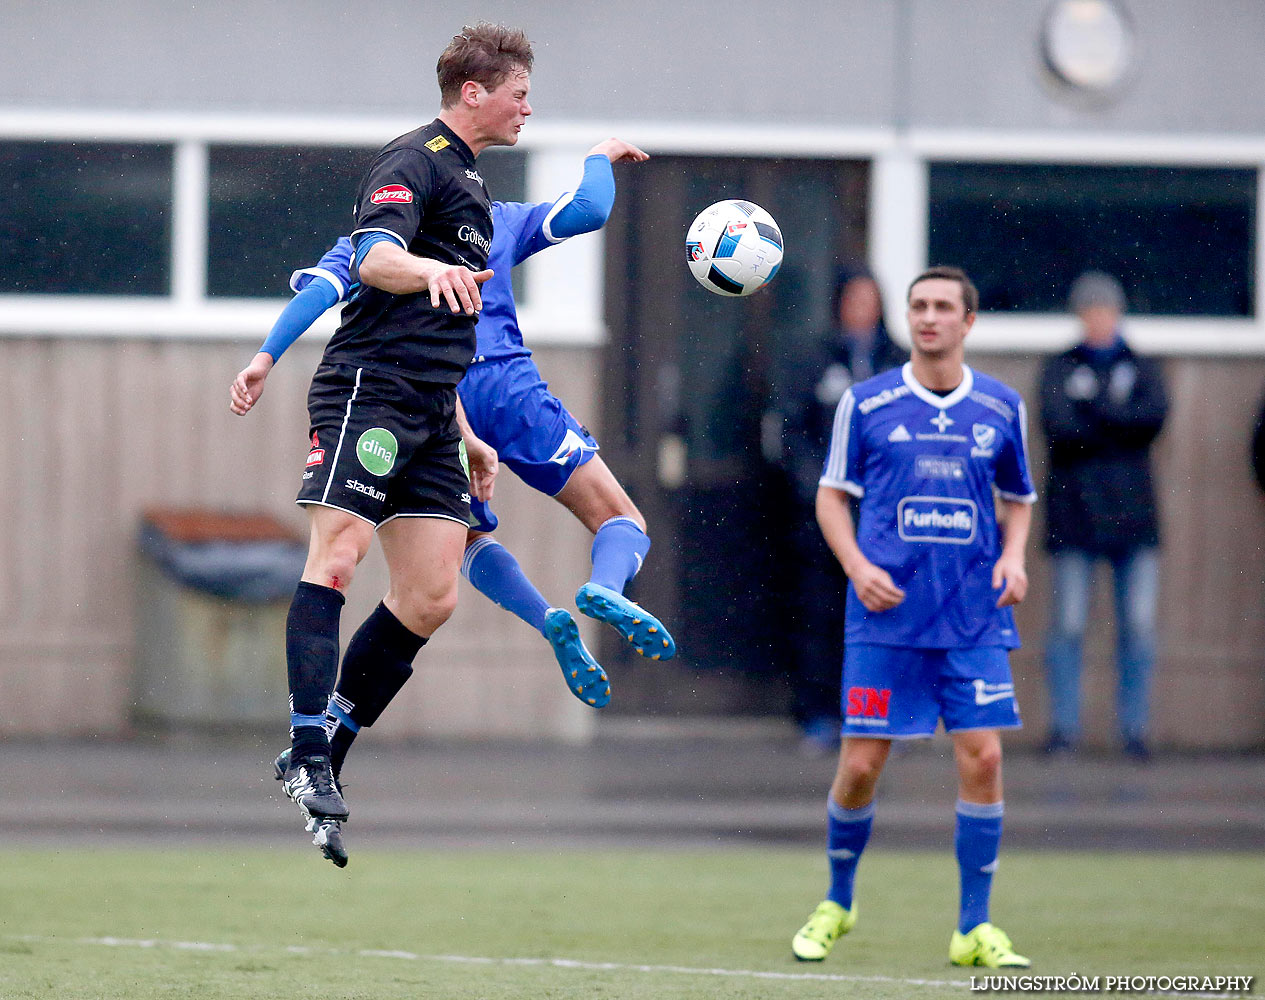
(637, 625)
(583, 674)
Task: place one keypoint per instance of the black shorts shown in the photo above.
(383, 446)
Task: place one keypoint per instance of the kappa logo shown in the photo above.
(571, 444)
(901, 433)
(438, 143)
(986, 694)
(392, 194)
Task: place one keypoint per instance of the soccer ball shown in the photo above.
(733, 247)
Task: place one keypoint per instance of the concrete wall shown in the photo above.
(969, 63)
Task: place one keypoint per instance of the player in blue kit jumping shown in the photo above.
(509, 407)
(932, 578)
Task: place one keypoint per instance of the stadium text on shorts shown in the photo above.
(1217, 985)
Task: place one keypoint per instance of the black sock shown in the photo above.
(307, 742)
(378, 662)
(312, 647)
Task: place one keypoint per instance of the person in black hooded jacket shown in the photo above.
(857, 346)
(1102, 406)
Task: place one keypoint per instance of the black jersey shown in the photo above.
(423, 191)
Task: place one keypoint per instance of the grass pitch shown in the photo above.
(141, 924)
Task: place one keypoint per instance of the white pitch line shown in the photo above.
(557, 963)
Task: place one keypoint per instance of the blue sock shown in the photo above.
(495, 573)
(976, 841)
(618, 549)
(847, 833)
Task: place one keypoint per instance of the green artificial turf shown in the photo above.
(141, 924)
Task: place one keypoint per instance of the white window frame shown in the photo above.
(564, 301)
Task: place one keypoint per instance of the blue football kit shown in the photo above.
(926, 468)
(503, 385)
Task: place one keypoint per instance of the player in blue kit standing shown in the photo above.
(509, 407)
(932, 576)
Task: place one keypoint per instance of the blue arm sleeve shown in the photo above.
(590, 204)
(300, 313)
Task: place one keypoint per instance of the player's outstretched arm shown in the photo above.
(393, 269)
(298, 315)
(481, 456)
(873, 584)
(1010, 574)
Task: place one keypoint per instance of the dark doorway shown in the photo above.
(685, 391)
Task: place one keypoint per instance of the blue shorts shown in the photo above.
(901, 692)
(511, 408)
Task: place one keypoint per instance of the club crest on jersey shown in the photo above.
(392, 194)
(985, 435)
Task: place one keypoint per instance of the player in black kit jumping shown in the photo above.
(386, 427)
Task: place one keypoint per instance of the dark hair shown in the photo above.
(486, 53)
(843, 278)
(970, 295)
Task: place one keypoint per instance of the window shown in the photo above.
(1180, 239)
(274, 209)
(277, 208)
(79, 218)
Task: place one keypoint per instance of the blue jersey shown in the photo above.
(334, 267)
(925, 468)
(518, 231)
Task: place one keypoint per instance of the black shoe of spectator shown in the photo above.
(1137, 750)
(1056, 743)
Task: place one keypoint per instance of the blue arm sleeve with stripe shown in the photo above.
(299, 314)
(590, 204)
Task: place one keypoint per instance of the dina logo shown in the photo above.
(376, 450)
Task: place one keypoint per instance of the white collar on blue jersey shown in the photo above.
(927, 396)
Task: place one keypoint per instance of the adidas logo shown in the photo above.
(900, 434)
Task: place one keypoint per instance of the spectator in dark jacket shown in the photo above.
(1101, 407)
(805, 397)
